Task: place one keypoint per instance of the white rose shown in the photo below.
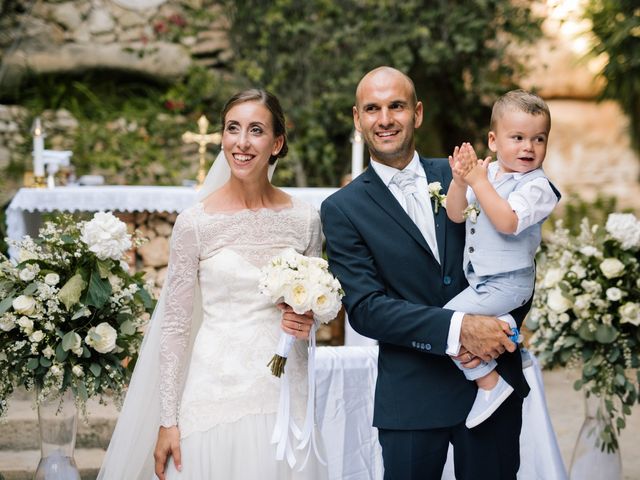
(630, 313)
(24, 304)
(579, 270)
(434, 188)
(614, 294)
(589, 251)
(51, 279)
(612, 267)
(27, 274)
(106, 340)
(325, 304)
(106, 236)
(48, 352)
(77, 371)
(116, 282)
(552, 277)
(37, 336)
(298, 296)
(7, 323)
(55, 370)
(625, 228)
(26, 324)
(557, 301)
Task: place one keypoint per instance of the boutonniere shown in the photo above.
(471, 212)
(439, 198)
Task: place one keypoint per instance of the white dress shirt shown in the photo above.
(386, 174)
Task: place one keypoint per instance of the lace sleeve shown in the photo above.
(180, 287)
(314, 247)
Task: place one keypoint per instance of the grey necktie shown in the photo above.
(421, 214)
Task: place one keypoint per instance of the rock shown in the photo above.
(67, 15)
(162, 60)
(5, 113)
(155, 253)
(100, 21)
(131, 19)
(147, 232)
(163, 228)
(66, 120)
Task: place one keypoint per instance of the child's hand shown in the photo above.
(457, 168)
(474, 169)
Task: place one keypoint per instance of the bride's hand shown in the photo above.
(294, 324)
(168, 444)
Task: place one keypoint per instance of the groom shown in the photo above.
(399, 260)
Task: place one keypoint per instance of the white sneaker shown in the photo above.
(487, 402)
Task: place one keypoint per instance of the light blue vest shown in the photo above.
(491, 252)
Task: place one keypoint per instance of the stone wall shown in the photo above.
(73, 36)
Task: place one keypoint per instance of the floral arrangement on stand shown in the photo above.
(586, 312)
(71, 313)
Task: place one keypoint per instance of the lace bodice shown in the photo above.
(221, 255)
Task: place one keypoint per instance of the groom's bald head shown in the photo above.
(383, 75)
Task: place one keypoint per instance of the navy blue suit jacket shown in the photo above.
(395, 289)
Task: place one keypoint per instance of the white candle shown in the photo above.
(38, 149)
(357, 154)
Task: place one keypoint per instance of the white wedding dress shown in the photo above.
(226, 408)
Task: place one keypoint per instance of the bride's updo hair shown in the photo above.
(272, 103)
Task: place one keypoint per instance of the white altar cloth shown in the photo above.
(23, 213)
(345, 381)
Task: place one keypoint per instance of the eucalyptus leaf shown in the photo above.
(95, 369)
(33, 363)
(6, 303)
(71, 291)
(82, 390)
(586, 334)
(68, 341)
(61, 353)
(128, 328)
(30, 289)
(606, 333)
(45, 362)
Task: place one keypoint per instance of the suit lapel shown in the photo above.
(440, 219)
(381, 195)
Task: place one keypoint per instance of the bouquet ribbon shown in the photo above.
(285, 423)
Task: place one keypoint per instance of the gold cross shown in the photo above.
(202, 139)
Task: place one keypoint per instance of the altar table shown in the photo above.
(345, 381)
(24, 211)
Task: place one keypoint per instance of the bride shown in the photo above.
(201, 390)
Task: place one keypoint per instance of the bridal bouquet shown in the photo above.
(70, 311)
(587, 311)
(303, 283)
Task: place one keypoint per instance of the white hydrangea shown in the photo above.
(625, 228)
(48, 352)
(106, 236)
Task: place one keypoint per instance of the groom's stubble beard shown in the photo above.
(398, 157)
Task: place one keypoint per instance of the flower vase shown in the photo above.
(589, 461)
(58, 421)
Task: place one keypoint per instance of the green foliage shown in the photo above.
(130, 128)
(313, 53)
(616, 25)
